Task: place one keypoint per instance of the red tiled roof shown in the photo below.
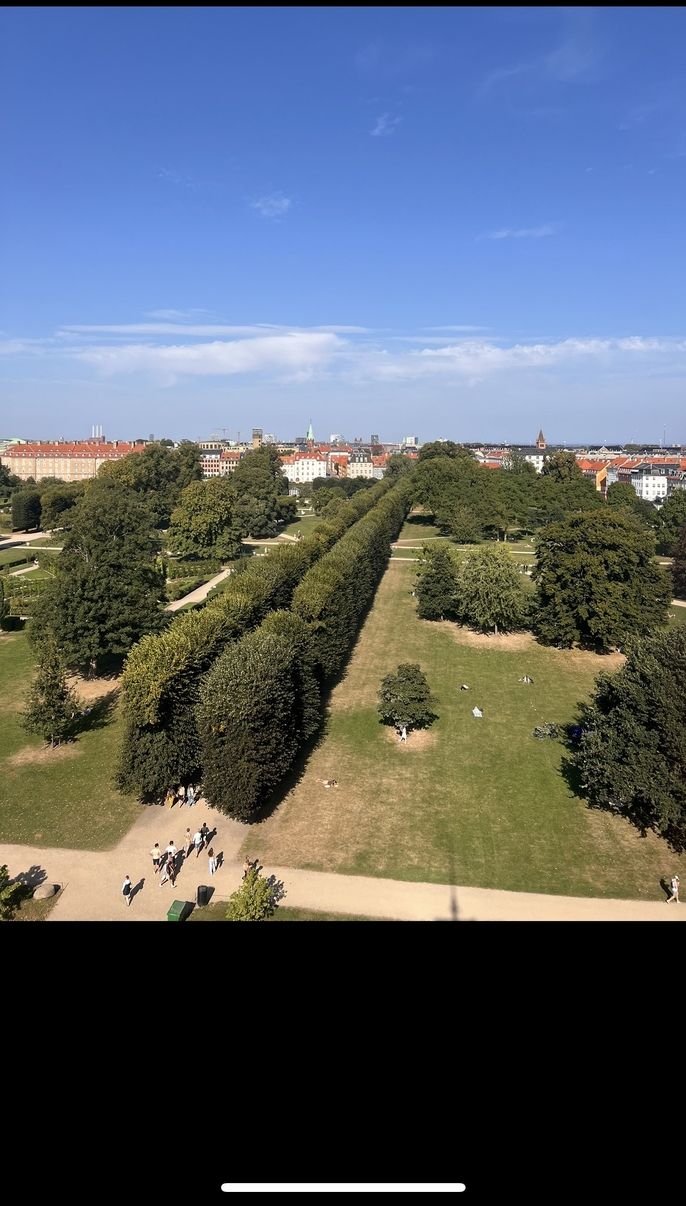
(79, 449)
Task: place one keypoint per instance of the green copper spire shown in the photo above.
(310, 432)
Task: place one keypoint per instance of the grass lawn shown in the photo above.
(472, 802)
(217, 912)
(677, 616)
(16, 556)
(305, 525)
(62, 797)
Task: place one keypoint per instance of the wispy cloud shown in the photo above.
(525, 232)
(385, 124)
(296, 352)
(574, 57)
(273, 205)
(176, 315)
(345, 353)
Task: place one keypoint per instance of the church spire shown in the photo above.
(310, 433)
(540, 442)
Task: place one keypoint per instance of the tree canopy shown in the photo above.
(51, 706)
(598, 582)
(206, 522)
(632, 754)
(107, 587)
(405, 698)
(436, 583)
(159, 474)
(672, 520)
(679, 566)
(490, 591)
(26, 509)
(561, 467)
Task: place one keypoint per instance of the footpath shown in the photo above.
(92, 880)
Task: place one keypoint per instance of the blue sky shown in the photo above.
(466, 223)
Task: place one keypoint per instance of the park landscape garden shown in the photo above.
(257, 694)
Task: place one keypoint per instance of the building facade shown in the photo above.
(72, 462)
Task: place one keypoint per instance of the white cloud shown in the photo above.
(273, 205)
(295, 352)
(385, 124)
(474, 359)
(527, 232)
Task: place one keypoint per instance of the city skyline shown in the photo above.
(459, 222)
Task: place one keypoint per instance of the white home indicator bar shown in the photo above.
(343, 1187)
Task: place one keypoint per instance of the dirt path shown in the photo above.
(92, 883)
(196, 596)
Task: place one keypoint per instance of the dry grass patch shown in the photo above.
(418, 739)
(43, 754)
(512, 642)
(89, 689)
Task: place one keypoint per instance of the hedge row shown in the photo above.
(260, 703)
(163, 671)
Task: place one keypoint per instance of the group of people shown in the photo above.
(167, 861)
(181, 795)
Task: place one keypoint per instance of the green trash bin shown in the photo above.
(177, 910)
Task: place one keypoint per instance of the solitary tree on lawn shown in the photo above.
(405, 699)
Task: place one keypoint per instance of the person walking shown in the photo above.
(169, 799)
(156, 855)
(197, 841)
(181, 794)
(170, 850)
(205, 831)
(190, 796)
(187, 844)
(126, 889)
(212, 861)
(674, 885)
(168, 871)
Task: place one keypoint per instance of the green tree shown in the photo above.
(26, 509)
(562, 467)
(158, 474)
(397, 464)
(621, 494)
(672, 520)
(490, 591)
(632, 753)
(436, 584)
(56, 503)
(253, 901)
(107, 588)
(8, 480)
(205, 523)
(598, 583)
(445, 448)
(11, 894)
(405, 699)
(679, 566)
(51, 706)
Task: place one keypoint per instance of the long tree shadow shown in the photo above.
(95, 715)
(299, 767)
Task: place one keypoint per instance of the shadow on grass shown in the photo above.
(96, 715)
(299, 767)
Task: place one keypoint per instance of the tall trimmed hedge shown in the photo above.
(258, 705)
(163, 671)
(335, 593)
(260, 702)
